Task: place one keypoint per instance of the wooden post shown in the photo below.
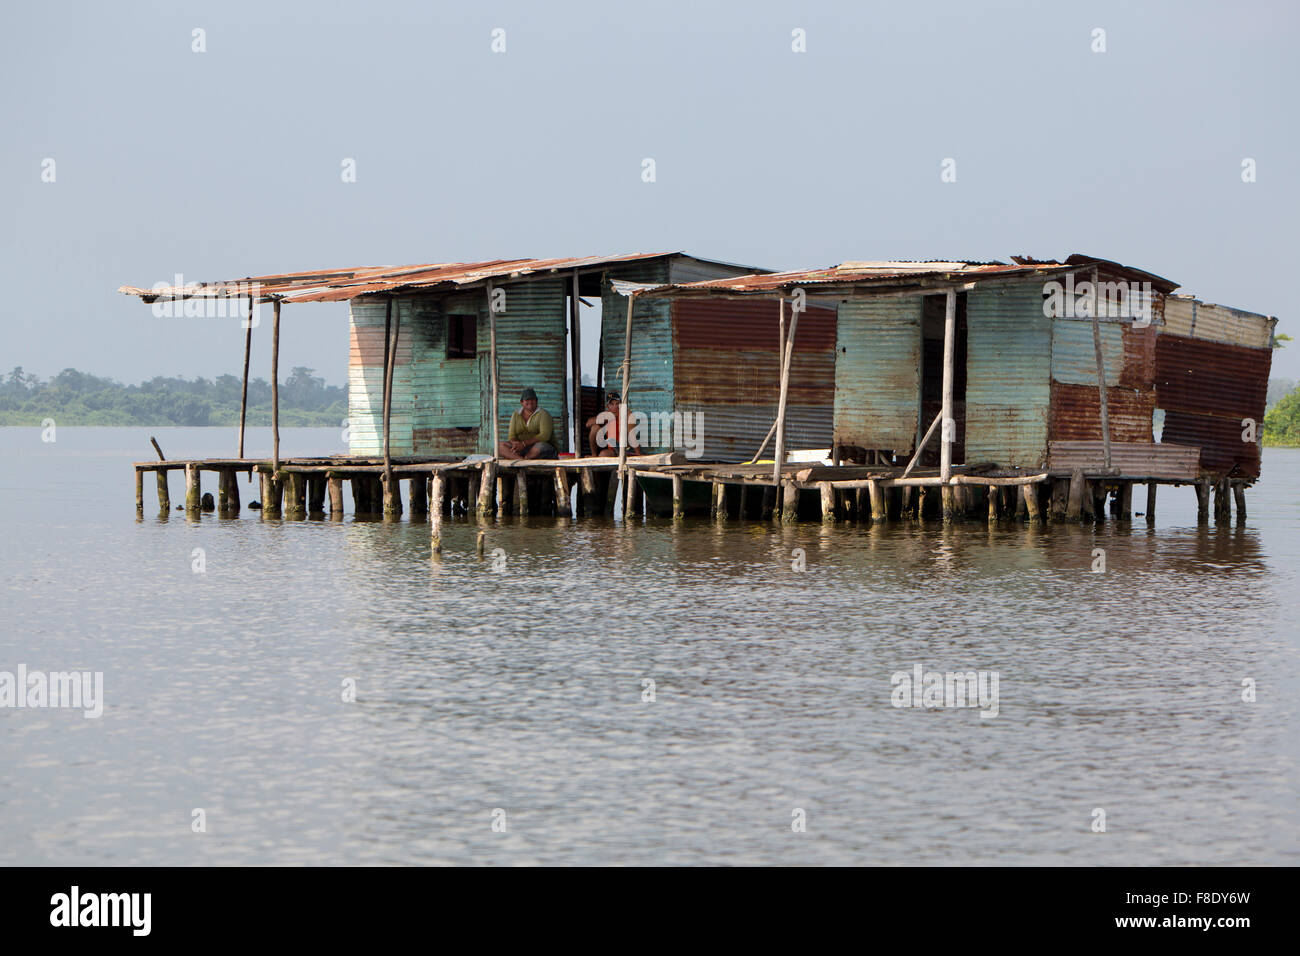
(223, 490)
(496, 401)
(586, 493)
(948, 430)
(139, 491)
(164, 496)
(1074, 505)
(1030, 494)
(879, 510)
(633, 496)
(718, 511)
(336, 496)
(193, 490)
(521, 492)
(1202, 487)
(1126, 501)
(361, 495)
(419, 495)
(297, 496)
(435, 512)
(679, 502)
(995, 501)
(785, 389)
(505, 485)
(392, 326)
(611, 492)
(575, 348)
(243, 396)
(790, 502)
(828, 502)
(487, 488)
(768, 508)
(562, 507)
(232, 494)
(1239, 492)
(1222, 503)
(1101, 374)
(316, 495)
(1151, 502)
(742, 506)
(275, 390)
(622, 405)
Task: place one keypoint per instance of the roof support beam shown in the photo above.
(243, 394)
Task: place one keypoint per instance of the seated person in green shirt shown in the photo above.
(532, 433)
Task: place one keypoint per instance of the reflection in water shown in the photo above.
(515, 681)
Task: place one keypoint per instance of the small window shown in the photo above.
(462, 336)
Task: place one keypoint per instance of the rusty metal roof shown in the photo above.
(901, 275)
(335, 285)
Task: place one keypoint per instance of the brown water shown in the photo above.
(521, 688)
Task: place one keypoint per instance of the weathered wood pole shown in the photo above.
(335, 484)
(1126, 501)
(1030, 494)
(1202, 488)
(718, 510)
(232, 493)
(768, 509)
(1074, 504)
(828, 501)
(496, 399)
(1101, 374)
(139, 491)
(995, 504)
(435, 512)
(193, 489)
(586, 493)
(1239, 492)
(224, 477)
(275, 390)
(360, 494)
(521, 492)
(419, 495)
(1222, 503)
(948, 431)
(392, 324)
(487, 488)
(1151, 502)
(622, 405)
(879, 509)
(575, 361)
(243, 395)
(562, 504)
(790, 502)
(293, 494)
(679, 501)
(632, 497)
(785, 391)
(316, 495)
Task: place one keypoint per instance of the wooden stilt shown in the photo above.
(164, 496)
(1239, 492)
(634, 496)
(718, 507)
(562, 504)
(1222, 503)
(419, 495)
(1099, 495)
(243, 395)
(742, 506)
(1074, 503)
(1059, 499)
(521, 493)
(611, 491)
(769, 509)
(475, 491)
(679, 502)
(828, 502)
(587, 493)
(139, 491)
(995, 504)
(232, 494)
(336, 496)
(487, 489)
(879, 508)
(1030, 494)
(862, 506)
(1151, 502)
(193, 489)
(435, 512)
(223, 490)
(360, 495)
(275, 390)
(271, 507)
(294, 508)
(1202, 488)
(790, 502)
(316, 495)
(1126, 501)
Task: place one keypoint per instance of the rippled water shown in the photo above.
(521, 689)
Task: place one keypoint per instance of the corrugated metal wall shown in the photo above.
(727, 371)
(650, 389)
(447, 392)
(878, 373)
(531, 336)
(1008, 376)
(1187, 316)
(366, 383)
(1206, 388)
(1130, 392)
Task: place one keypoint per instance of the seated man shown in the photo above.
(602, 430)
(532, 433)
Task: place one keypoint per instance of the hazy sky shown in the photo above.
(227, 163)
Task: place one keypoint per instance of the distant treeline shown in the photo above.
(78, 398)
(1282, 422)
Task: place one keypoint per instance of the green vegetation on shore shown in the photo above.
(1282, 422)
(78, 398)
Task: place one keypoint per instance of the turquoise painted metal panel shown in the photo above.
(1008, 376)
(650, 386)
(366, 383)
(446, 408)
(1074, 354)
(532, 339)
(878, 373)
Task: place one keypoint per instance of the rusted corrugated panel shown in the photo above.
(1187, 316)
(531, 337)
(1139, 357)
(651, 383)
(732, 323)
(1074, 351)
(1222, 450)
(1211, 377)
(366, 384)
(878, 372)
(1133, 459)
(1076, 413)
(1008, 376)
(716, 376)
